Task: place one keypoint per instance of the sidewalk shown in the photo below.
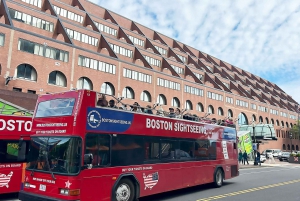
(277, 163)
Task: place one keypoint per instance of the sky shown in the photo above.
(259, 36)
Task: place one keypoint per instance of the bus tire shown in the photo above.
(218, 178)
(124, 191)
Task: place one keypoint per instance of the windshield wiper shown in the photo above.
(47, 161)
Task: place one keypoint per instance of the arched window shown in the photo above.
(242, 119)
(107, 88)
(26, 71)
(84, 83)
(200, 107)
(288, 147)
(261, 120)
(282, 123)
(287, 124)
(57, 78)
(297, 148)
(128, 93)
(293, 147)
(267, 120)
(145, 96)
(253, 118)
(220, 111)
(211, 109)
(277, 122)
(230, 113)
(188, 105)
(283, 147)
(291, 125)
(272, 121)
(175, 102)
(161, 99)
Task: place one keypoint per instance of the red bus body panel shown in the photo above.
(12, 174)
(97, 183)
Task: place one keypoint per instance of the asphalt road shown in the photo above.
(258, 184)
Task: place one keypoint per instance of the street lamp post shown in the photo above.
(254, 140)
(291, 136)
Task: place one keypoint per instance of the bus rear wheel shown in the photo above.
(124, 191)
(218, 178)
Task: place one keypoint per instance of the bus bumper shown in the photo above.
(24, 196)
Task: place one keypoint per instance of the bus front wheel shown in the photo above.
(124, 190)
(218, 178)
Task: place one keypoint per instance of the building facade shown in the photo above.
(51, 46)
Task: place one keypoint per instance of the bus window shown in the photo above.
(99, 146)
(187, 150)
(151, 149)
(9, 150)
(55, 107)
(168, 149)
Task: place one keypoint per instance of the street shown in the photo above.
(278, 182)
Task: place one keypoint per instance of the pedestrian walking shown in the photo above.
(245, 158)
(241, 157)
(258, 158)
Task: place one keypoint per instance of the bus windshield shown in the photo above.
(55, 107)
(55, 154)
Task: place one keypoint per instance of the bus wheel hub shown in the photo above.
(123, 192)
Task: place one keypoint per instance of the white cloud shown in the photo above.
(262, 37)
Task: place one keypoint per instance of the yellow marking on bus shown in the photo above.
(216, 197)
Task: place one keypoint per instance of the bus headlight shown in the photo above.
(27, 185)
(64, 191)
(73, 192)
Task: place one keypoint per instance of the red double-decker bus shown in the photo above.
(14, 144)
(81, 151)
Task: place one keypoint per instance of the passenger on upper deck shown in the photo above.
(136, 107)
(102, 100)
(171, 113)
(177, 113)
(148, 109)
(112, 104)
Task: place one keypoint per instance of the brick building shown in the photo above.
(52, 46)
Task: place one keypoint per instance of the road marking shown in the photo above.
(216, 197)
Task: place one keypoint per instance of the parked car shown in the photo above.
(263, 158)
(284, 156)
(274, 152)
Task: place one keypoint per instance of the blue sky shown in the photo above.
(262, 37)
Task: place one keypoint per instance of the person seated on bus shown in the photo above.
(214, 121)
(102, 100)
(112, 104)
(171, 113)
(136, 107)
(148, 109)
(177, 113)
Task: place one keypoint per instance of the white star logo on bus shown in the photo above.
(68, 184)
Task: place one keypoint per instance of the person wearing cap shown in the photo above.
(136, 107)
(148, 109)
(111, 104)
(171, 113)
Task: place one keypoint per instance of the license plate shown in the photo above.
(42, 187)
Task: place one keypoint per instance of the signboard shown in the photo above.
(245, 142)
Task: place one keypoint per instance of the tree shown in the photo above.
(296, 130)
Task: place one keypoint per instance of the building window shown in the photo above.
(241, 103)
(188, 105)
(43, 50)
(37, 3)
(220, 111)
(17, 89)
(161, 99)
(107, 88)
(137, 75)
(168, 84)
(106, 29)
(97, 65)
(200, 107)
(261, 120)
(128, 93)
(230, 113)
(193, 90)
(152, 61)
(211, 109)
(82, 37)
(214, 96)
(121, 50)
(229, 100)
(68, 14)
(2, 39)
(253, 106)
(84, 83)
(145, 96)
(199, 76)
(136, 41)
(161, 50)
(182, 58)
(31, 91)
(31, 20)
(57, 78)
(26, 71)
(175, 102)
(177, 69)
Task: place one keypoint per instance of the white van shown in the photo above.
(274, 152)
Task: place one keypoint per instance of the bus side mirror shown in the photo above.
(88, 159)
(22, 150)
